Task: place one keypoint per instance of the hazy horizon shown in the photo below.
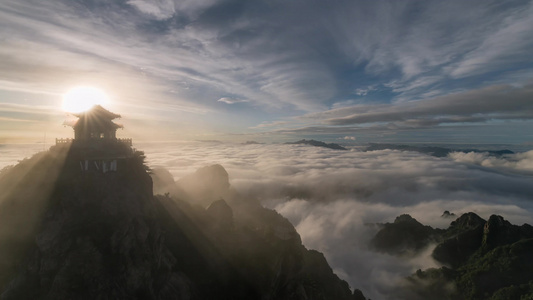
(331, 196)
(194, 80)
(385, 71)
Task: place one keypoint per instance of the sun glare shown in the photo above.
(82, 98)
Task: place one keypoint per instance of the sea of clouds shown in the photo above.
(334, 198)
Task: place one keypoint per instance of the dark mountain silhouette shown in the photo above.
(486, 259)
(433, 150)
(252, 143)
(318, 144)
(460, 240)
(68, 234)
(405, 236)
(446, 214)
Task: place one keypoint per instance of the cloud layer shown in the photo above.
(334, 197)
(492, 103)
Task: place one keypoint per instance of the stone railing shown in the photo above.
(125, 141)
(63, 141)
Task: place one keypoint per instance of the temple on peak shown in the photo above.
(96, 123)
(94, 127)
(95, 144)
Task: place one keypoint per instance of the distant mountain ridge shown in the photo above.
(433, 150)
(318, 144)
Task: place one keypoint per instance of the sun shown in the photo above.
(82, 98)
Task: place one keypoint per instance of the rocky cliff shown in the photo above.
(403, 237)
(484, 259)
(93, 235)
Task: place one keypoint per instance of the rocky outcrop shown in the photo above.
(405, 236)
(163, 181)
(489, 260)
(105, 236)
(448, 215)
(465, 222)
(460, 240)
(498, 232)
(498, 271)
(206, 185)
(358, 295)
(220, 214)
(25, 193)
(98, 240)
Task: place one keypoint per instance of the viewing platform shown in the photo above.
(95, 146)
(64, 141)
(125, 141)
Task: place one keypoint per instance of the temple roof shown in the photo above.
(99, 112)
(96, 124)
(96, 118)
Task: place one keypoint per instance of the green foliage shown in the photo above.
(522, 292)
(498, 273)
(139, 157)
(406, 235)
(490, 259)
(432, 284)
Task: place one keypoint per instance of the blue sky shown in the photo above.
(389, 71)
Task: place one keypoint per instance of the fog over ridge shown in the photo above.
(333, 197)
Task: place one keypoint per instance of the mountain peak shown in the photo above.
(105, 236)
(468, 220)
(319, 144)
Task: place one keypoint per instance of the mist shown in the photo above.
(23, 205)
(336, 198)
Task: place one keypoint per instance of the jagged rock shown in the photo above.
(497, 271)
(447, 214)
(490, 260)
(221, 214)
(498, 231)
(206, 185)
(405, 235)
(24, 197)
(163, 181)
(96, 240)
(466, 221)
(358, 295)
(104, 236)
(432, 283)
(461, 240)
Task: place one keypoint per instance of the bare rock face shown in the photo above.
(498, 231)
(446, 214)
(485, 260)
(467, 221)
(25, 191)
(98, 241)
(163, 181)
(221, 214)
(461, 240)
(405, 236)
(206, 185)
